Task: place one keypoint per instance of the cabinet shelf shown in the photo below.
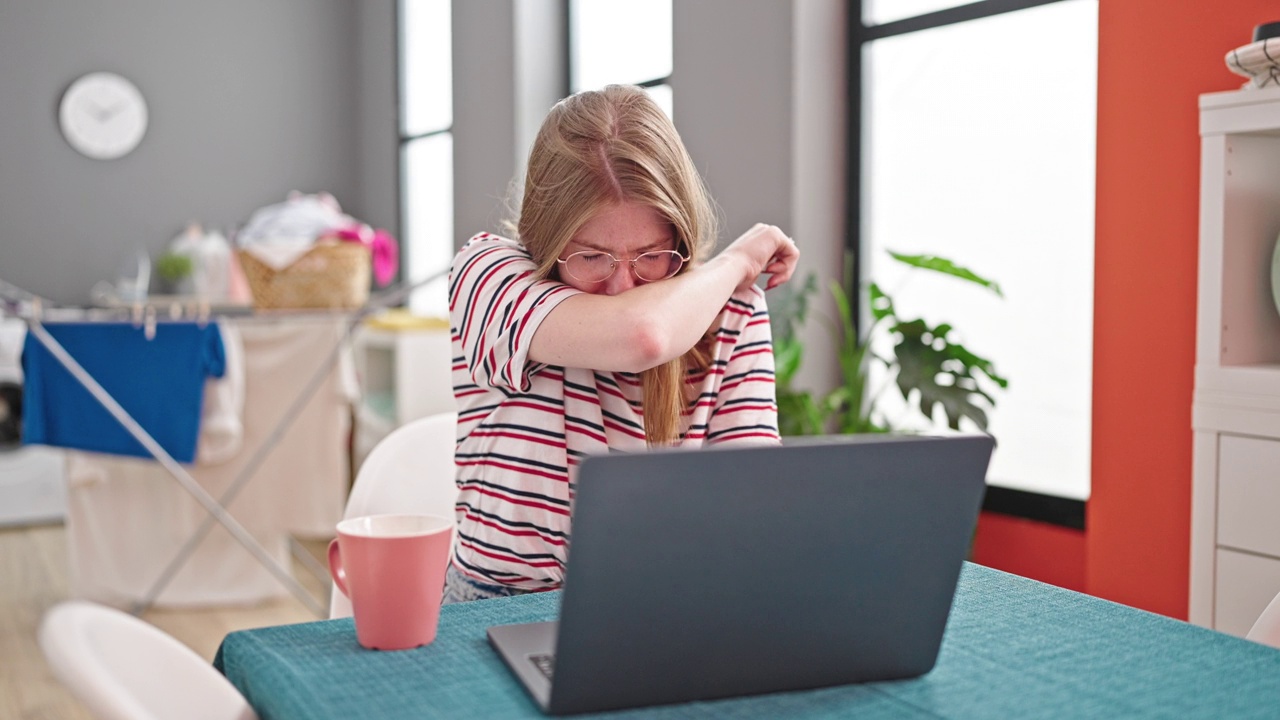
(1241, 112)
(1236, 405)
(1261, 381)
(404, 375)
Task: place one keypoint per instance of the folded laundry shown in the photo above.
(158, 381)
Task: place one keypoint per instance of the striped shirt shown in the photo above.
(523, 426)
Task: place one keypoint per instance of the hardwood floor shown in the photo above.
(33, 577)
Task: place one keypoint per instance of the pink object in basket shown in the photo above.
(382, 246)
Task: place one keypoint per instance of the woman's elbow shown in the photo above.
(650, 345)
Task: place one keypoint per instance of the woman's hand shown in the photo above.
(764, 249)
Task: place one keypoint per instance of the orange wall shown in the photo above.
(1154, 59)
(1048, 553)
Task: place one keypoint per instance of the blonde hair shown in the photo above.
(599, 148)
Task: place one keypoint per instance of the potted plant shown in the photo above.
(174, 271)
(927, 364)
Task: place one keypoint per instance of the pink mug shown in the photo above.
(392, 568)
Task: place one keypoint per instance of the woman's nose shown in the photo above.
(622, 279)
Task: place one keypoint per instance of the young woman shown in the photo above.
(599, 328)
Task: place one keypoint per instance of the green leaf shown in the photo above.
(925, 365)
(798, 414)
(946, 267)
(788, 354)
(881, 304)
(791, 310)
(938, 372)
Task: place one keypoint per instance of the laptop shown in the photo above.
(696, 575)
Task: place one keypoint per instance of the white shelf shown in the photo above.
(1236, 404)
(372, 337)
(404, 375)
(1245, 112)
(1255, 386)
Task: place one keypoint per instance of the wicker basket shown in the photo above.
(329, 275)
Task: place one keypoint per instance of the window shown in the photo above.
(426, 149)
(881, 12)
(978, 144)
(601, 53)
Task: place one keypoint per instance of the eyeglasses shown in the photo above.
(592, 266)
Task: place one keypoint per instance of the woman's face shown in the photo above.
(625, 231)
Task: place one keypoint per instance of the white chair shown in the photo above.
(1266, 629)
(122, 668)
(409, 471)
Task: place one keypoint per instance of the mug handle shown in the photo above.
(336, 570)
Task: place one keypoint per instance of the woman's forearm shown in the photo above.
(641, 328)
(651, 324)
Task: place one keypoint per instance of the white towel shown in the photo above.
(221, 424)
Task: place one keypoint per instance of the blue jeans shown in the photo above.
(460, 588)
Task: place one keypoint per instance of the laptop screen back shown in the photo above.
(697, 575)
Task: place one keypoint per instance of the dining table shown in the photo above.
(1012, 648)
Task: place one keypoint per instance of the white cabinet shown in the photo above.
(405, 374)
(1235, 505)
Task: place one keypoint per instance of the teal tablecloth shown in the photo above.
(1014, 648)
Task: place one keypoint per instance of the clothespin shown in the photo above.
(175, 311)
(149, 329)
(203, 312)
(35, 309)
(136, 314)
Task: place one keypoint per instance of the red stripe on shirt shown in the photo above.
(508, 558)
(752, 351)
(515, 468)
(612, 425)
(740, 408)
(584, 398)
(749, 379)
(514, 533)
(583, 431)
(744, 435)
(526, 503)
(482, 432)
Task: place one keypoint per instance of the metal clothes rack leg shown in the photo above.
(216, 511)
(216, 508)
(247, 472)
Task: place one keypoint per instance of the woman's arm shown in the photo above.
(745, 409)
(651, 324)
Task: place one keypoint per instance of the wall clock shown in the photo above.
(103, 115)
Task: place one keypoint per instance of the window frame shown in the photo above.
(571, 74)
(1050, 509)
(404, 140)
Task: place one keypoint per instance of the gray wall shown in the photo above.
(759, 101)
(375, 198)
(251, 99)
(247, 100)
(484, 97)
(733, 92)
(818, 189)
(508, 70)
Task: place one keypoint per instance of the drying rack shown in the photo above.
(33, 310)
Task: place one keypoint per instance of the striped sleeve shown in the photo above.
(746, 408)
(496, 303)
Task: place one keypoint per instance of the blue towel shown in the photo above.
(159, 382)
